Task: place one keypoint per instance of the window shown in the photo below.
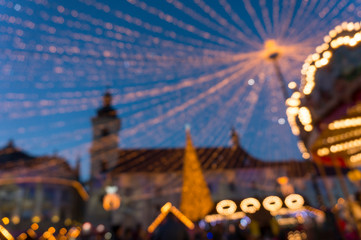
(104, 132)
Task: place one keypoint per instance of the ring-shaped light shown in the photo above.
(250, 205)
(226, 207)
(294, 201)
(272, 203)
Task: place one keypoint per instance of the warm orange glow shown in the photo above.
(166, 207)
(67, 222)
(46, 234)
(34, 226)
(354, 175)
(55, 218)
(165, 210)
(6, 233)
(31, 233)
(218, 217)
(271, 49)
(5, 220)
(74, 232)
(35, 219)
(226, 207)
(323, 54)
(272, 203)
(111, 202)
(156, 222)
(250, 205)
(62, 231)
(182, 217)
(270, 45)
(51, 230)
(22, 236)
(355, 158)
(15, 219)
(294, 201)
(340, 147)
(292, 85)
(282, 180)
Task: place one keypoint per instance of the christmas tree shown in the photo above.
(196, 200)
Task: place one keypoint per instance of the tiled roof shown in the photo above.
(212, 158)
(11, 153)
(16, 163)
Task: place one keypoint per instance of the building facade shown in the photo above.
(148, 178)
(44, 190)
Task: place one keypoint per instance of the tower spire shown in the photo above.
(235, 143)
(107, 109)
(107, 99)
(106, 126)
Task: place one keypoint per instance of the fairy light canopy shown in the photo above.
(167, 63)
(271, 50)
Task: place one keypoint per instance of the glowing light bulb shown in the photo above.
(251, 82)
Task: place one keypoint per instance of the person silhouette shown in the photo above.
(171, 229)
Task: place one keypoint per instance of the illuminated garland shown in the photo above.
(272, 203)
(5, 233)
(219, 217)
(196, 199)
(226, 207)
(250, 205)
(165, 210)
(346, 34)
(82, 51)
(294, 201)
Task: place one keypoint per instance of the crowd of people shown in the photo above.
(172, 229)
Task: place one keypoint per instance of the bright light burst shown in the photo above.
(168, 63)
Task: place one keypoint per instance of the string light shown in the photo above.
(51, 230)
(282, 180)
(111, 201)
(292, 85)
(5, 220)
(15, 219)
(35, 219)
(196, 200)
(345, 123)
(294, 201)
(166, 207)
(226, 207)
(34, 226)
(55, 218)
(354, 175)
(346, 34)
(219, 217)
(305, 116)
(5, 233)
(250, 205)
(186, 221)
(272, 203)
(73, 232)
(147, 52)
(319, 62)
(165, 210)
(156, 222)
(31, 233)
(355, 158)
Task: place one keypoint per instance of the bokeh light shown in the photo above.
(166, 63)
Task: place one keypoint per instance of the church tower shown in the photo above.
(106, 126)
(235, 142)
